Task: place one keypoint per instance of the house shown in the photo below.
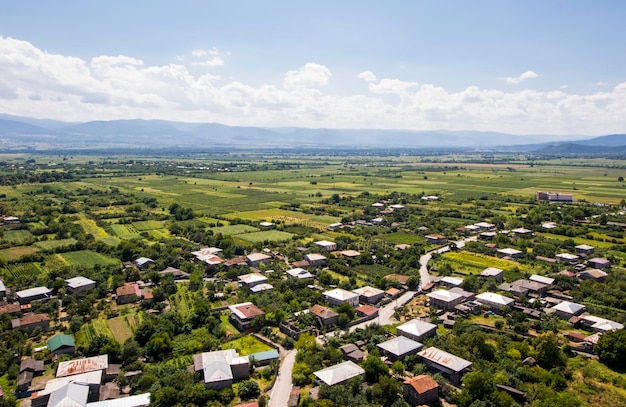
(473, 229)
(33, 294)
(567, 258)
(12, 308)
(444, 299)
(542, 279)
(524, 287)
(430, 198)
(325, 316)
(243, 315)
(417, 330)
(436, 239)
(420, 390)
(597, 324)
(137, 400)
(393, 293)
(261, 287)
(71, 394)
(28, 369)
(352, 352)
(252, 279)
(485, 226)
(80, 284)
(522, 232)
(10, 219)
(339, 373)
(85, 365)
(450, 281)
(127, 294)
(3, 290)
(255, 259)
(267, 225)
(369, 295)
(350, 254)
(493, 300)
(338, 296)
(30, 322)
(368, 311)
(592, 274)
(263, 358)
(315, 259)
(326, 245)
(60, 344)
(511, 253)
(584, 250)
(549, 225)
(209, 255)
(467, 295)
(567, 309)
(176, 273)
(220, 368)
(598, 263)
(401, 246)
(143, 262)
(449, 365)
(400, 347)
(299, 273)
(92, 380)
(487, 235)
(493, 272)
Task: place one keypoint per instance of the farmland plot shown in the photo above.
(50, 245)
(15, 253)
(17, 236)
(88, 259)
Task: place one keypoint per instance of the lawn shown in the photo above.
(247, 345)
(88, 259)
(120, 327)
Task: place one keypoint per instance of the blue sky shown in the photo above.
(523, 67)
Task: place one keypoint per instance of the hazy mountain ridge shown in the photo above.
(26, 133)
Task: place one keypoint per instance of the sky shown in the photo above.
(525, 67)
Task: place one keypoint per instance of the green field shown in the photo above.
(401, 238)
(148, 225)
(247, 345)
(125, 231)
(17, 236)
(269, 235)
(474, 263)
(234, 229)
(90, 227)
(50, 245)
(88, 259)
(15, 253)
(22, 272)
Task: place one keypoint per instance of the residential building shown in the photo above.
(127, 294)
(417, 330)
(255, 259)
(421, 390)
(339, 373)
(598, 263)
(567, 309)
(263, 358)
(493, 272)
(60, 344)
(299, 273)
(511, 253)
(176, 273)
(92, 379)
(493, 300)
(30, 322)
(315, 259)
(444, 299)
(584, 250)
(400, 347)
(522, 232)
(3, 290)
(592, 274)
(598, 324)
(243, 315)
(567, 258)
(261, 287)
(137, 400)
(436, 239)
(338, 296)
(369, 295)
(449, 365)
(325, 316)
(252, 279)
(352, 352)
(326, 245)
(450, 281)
(80, 284)
(485, 226)
(542, 279)
(220, 368)
(554, 197)
(33, 294)
(350, 254)
(143, 262)
(85, 365)
(367, 310)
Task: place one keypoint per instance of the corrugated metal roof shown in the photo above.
(72, 367)
(138, 400)
(445, 359)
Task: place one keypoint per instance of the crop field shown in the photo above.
(247, 345)
(269, 235)
(109, 240)
(23, 272)
(15, 253)
(17, 236)
(578, 240)
(401, 238)
(88, 259)
(474, 263)
(120, 328)
(90, 227)
(125, 231)
(226, 325)
(182, 301)
(50, 245)
(148, 225)
(286, 217)
(234, 230)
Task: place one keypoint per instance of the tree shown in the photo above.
(549, 354)
(620, 179)
(477, 385)
(611, 348)
(248, 389)
(374, 367)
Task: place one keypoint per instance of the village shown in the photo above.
(299, 322)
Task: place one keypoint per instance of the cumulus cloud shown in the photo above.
(391, 86)
(522, 77)
(47, 85)
(601, 83)
(367, 76)
(311, 75)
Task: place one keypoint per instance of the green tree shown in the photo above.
(248, 389)
(611, 348)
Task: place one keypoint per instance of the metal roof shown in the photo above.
(138, 400)
(33, 292)
(445, 359)
(339, 373)
(72, 367)
(400, 345)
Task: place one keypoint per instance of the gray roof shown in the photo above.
(444, 295)
(70, 395)
(445, 359)
(77, 282)
(216, 365)
(33, 292)
(138, 400)
(339, 373)
(569, 307)
(400, 345)
(416, 327)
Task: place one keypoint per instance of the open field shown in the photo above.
(234, 229)
(17, 236)
(269, 235)
(15, 253)
(148, 225)
(120, 328)
(246, 345)
(88, 259)
(55, 244)
(474, 263)
(90, 227)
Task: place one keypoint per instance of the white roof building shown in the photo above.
(568, 309)
(338, 296)
(325, 244)
(417, 329)
(400, 346)
(261, 287)
(252, 279)
(299, 273)
(542, 279)
(255, 258)
(138, 400)
(444, 296)
(453, 281)
(339, 373)
(510, 252)
(33, 292)
(445, 359)
(601, 324)
(549, 225)
(494, 300)
(84, 365)
(72, 394)
(492, 272)
(485, 225)
(76, 283)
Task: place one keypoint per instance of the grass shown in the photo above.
(473, 263)
(226, 325)
(234, 229)
(269, 235)
(17, 236)
(90, 227)
(401, 238)
(595, 384)
(148, 225)
(15, 253)
(120, 328)
(125, 231)
(247, 345)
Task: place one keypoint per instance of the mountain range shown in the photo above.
(22, 133)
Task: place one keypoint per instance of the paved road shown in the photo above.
(385, 314)
(279, 397)
(424, 275)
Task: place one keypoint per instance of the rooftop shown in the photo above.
(80, 281)
(85, 365)
(445, 359)
(422, 383)
(246, 310)
(33, 292)
(340, 294)
(417, 327)
(400, 345)
(444, 295)
(368, 291)
(494, 298)
(339, 373)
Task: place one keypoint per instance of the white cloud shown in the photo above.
(393, 86)
(601, 83)
(215, 61)
(311, 75)
(522, 77)
(367, 76)
(41, 84)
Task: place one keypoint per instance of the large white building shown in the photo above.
(338, 296)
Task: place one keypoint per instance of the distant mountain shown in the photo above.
(20, 133)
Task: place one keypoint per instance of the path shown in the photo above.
(279, 396)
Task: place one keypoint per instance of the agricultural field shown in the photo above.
(474, 263)
(87, 259)
(125, 231)
(266, 236)
(148, 225)
(90, 227)
(234, 230)
(247, 345)
(17, 237)
(17, 252)
(122, 327)
(22, 273)
(50, 245)
(401, 238)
